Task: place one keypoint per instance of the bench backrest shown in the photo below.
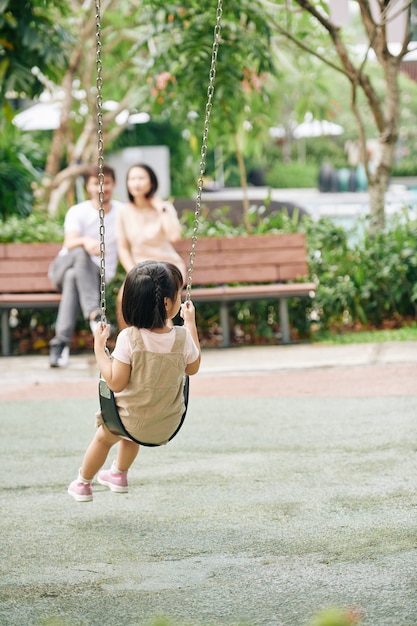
(251, 259)
(218, 260)
(24, 267)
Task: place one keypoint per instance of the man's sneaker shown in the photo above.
(82, 492)
(117, 482)
(64, 358)
(94, 322)
(58, 354)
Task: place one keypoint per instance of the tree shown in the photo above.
(123, 52)
(33, 49)
(161, 57)
(160, 54)
(30, 36)
(184, 44)
(360, 71)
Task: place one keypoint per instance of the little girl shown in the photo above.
(146, 372)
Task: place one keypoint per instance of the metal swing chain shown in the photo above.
(203, 154)
(99, 100)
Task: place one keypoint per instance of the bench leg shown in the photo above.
(224, 323)
(5, 333)
(284, 321)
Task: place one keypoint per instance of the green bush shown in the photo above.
(17, 173)
(406, 167)
(326, 150)
(37, 227)
(293, 175)
(368, 282)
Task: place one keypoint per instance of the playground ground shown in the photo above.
(291, 487)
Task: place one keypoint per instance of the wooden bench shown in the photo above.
(263, 265)
(24, 282)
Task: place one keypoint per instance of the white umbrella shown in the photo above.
(47, 116)
(135, 118)
(41, 116)
(309, 128)
(277, 132)
(317, 128)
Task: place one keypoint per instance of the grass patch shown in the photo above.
(407, 333)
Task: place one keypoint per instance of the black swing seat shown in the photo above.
(111, 417)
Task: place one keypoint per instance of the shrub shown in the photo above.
(36, 227)
(406, 167)
(292, 175)
(365, 282)
(17, 174)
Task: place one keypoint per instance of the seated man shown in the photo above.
(76, 269)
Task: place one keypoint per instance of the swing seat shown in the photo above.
(111, 417)
(109, 410)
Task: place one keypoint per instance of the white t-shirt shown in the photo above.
(154, 342)
(84, 219)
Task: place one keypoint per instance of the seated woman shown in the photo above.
(146, 227)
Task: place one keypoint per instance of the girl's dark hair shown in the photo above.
(146, 286)
(152, 176)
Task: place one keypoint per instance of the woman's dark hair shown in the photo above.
(152, 176)
(146, 287)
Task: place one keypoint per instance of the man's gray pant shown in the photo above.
(78, 279)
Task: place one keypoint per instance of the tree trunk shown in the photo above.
(385, 111)
(388, 136)
(378, 184)
(75, 146)
(62, 184)
(58, 193)
(376, 191)
(59, 143)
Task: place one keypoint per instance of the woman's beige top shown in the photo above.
(149, 233)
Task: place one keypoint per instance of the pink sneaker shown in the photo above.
(82, 492)
(117, 482)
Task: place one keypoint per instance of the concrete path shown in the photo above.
(291, 487)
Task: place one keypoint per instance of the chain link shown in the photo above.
(99, 99)
(203, 154)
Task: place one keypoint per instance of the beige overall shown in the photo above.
(152, 403)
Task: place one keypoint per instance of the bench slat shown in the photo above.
(254, 258)
(26, 284)
(24, 267)
(248, 292)
(271, 273)
(275, 259)
(238, 258)
(14, 299)
(30, 250)
(243, 242)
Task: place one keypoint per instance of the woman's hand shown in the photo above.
(158, 204)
